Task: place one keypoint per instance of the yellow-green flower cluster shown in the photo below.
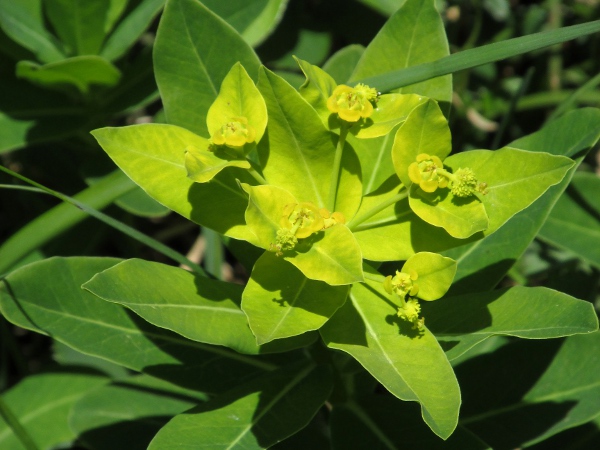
(235, 133)
(404, 285)
(352, 103)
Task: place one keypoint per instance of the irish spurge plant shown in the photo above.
(364, 218)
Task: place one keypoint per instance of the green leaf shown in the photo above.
(477, 57)
(67, 356)
(435, 274)
(573, 224)
(115, 11)
(131, 28)
(379, 421)
(296, 133)
(558, 388)
(79, 24)
(375, 157)
(515, 178)
(141, 204)
(342, 63)
(135, 406)
(183, 303)
(281, 302)
(482, 265)
(238, 97)
(413, 367)
(255, 20)
(194, 51)
(426, 131)
(412, 36)
(46, 297)
(254, 416)
(202, 165)
(531, 313)
(317, 88)
(152, 155)
(23, 22)
(42, 404)
(82, 72)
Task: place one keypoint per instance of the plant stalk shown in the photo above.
(16, 427)
(377, 209)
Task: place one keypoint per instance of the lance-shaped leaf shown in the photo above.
(540, 388)
(203, 165)
(252, 416)
(82, 72)
(299, 152)
(317, 88)
(281, 302)
(194, 51)
(138, 405)
(238, 97)
(152, 155)
(410, 365)
(413, 35)
(531, 313)
(196, 307)
(46, 297)
(435, 274)
(42, 403)
(515, 178)
(332, 255)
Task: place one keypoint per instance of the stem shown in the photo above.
(213, 255)
(377, 209)
(16, 427)
(337, 162)
(257, 176)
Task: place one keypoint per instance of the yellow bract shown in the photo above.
(426, 172)
(352, 103)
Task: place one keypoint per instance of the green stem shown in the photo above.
(377, 209)
(16, 426)
(213, 254)
(257, 176)
(335, 171)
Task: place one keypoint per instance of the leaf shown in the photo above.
(82, 72)
(130, 29)
(255, 20)
(316, 89)
(194, 51)
(79, 24)
(202, 165)
(280, 302)
(531, 313)
(254, 416)
(483, 264)
(238, 97)
(413, 367)
(378, 421)
(412, 36)
(515, 178)
(195, 307)
(133, 406)
(540, 389)
(152, 155)
(42, 404)
(342, 63)
(572, 223)
(435, 274)
(23, 22)
(426, 130)
(46, 297)
(375, 157)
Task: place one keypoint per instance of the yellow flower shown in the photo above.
(352, 103)
(331, 219)
(427, 172)
(402, 284)
(303, 219)
(235, 133)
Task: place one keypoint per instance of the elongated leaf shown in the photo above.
(384, 422)
(198, 308)
(254, 416)
(202, 165)
(152, 155)
(477, 56)
(412, 36)
(483, 264)
(133, 409)
(42, 404)
(79, 23)
(410, 365)
(281, 302)
(194, 51)
(540, 389)
(571, 225)
(317, 88)
(531, 313)
(80, 71)
(130, 29)
(23, 21)
(46, 297)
